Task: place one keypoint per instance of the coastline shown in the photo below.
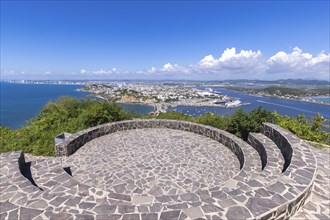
(300, 99)
(191, 102)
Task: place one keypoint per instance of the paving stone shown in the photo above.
(171, 174)
(149, 216)
(137, 200)
(126, 209)
(170, 215)
(189, 197)
(105, 209)
(7, 206)
(260, 205)
(211, 208)
(13, 214)
(131, 217)
(84, 217)
(61, 216)
(86, 205)
(139, 150)
(120, 196)
(194, 212)
(277, 187)
(26, 213)
(238, 212)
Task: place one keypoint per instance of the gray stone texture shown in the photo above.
(164, 169)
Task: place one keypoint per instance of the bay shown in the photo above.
(287, 107)
(22, 102)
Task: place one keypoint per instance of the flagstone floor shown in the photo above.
(153, 162)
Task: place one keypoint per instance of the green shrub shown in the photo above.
(68, 114)
(64, 115)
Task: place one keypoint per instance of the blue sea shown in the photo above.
(22, 102)
(287, 107)
(325, 99)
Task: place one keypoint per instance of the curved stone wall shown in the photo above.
(281, 141)
(300, 167)
(256, 197)
(71, 144)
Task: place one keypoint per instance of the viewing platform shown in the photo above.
(167, 169)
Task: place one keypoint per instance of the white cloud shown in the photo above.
(231, 64)
(167, 68)
(230, 59)
(83, 71)
(208, 61)
(152, 70)
(173, 68)
(299, 64)
(100, 72)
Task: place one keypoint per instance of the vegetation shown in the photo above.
(71, 115)
(314, 129)
(241, 123)
(285, 91)
(65, 115)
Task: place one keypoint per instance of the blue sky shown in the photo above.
(164, 39)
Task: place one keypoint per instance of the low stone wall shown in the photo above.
(281, 141)
(71, 144)
(299, 168)
(259, 147)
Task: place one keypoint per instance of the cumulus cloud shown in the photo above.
(298, 63)
(100, 72)
(172, 68)
(83, 71)
(230, 64)
(208, 61)
(233, 64)
(152, 70)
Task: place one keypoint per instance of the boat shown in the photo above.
(210, 89)
(233, 103)
(219, 101)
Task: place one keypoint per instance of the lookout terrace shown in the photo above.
(166, 169)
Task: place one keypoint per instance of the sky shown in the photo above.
(194, 40)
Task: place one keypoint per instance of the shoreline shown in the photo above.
(207, 103)
(300, 100)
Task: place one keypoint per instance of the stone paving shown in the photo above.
(317, 205)
(153, 162)
(163, 173)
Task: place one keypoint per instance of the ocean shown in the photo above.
(287, 107)
(22, 102)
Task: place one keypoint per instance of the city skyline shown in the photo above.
(165, 40)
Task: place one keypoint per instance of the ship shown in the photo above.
(233, 103)
(219, 101)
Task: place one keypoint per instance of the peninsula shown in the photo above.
(161, 95)
(307, 94)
